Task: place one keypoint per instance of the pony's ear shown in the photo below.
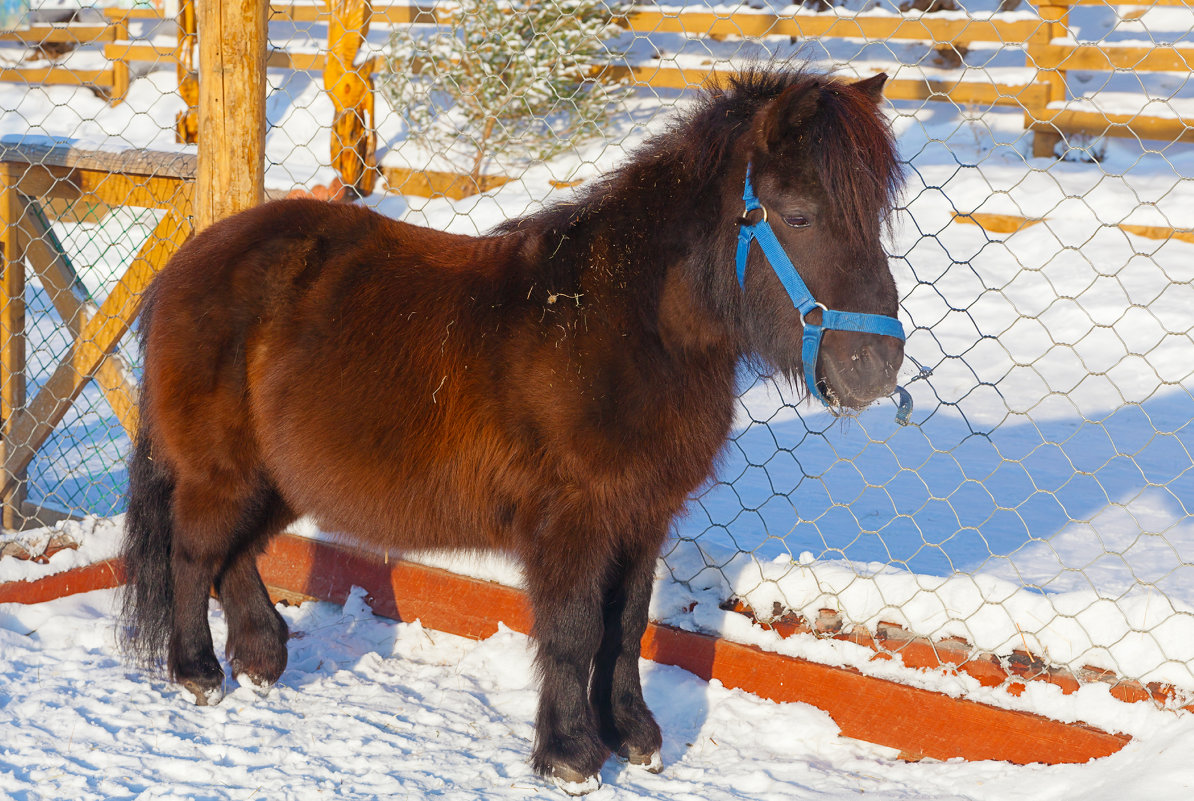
(872, 87)
(795, 106)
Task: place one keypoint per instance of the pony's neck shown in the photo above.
(669, 221)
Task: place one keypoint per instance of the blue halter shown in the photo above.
(804, 302)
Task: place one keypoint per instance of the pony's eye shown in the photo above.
(797, 221)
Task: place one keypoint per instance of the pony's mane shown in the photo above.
(851, 147)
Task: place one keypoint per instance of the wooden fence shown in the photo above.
(1041, 89)
(32, 177)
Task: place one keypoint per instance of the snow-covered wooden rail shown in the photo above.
(37, 181)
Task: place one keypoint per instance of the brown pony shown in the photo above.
(555, 390)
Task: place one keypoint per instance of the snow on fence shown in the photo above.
(1035, 522)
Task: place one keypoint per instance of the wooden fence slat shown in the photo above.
(1105, 57)
(874, 27)
(1097, 123)
(58, 76)
(62, 34)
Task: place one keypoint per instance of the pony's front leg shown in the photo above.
(626, 724)
(566, 597)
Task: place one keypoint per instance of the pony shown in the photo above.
(555, 389)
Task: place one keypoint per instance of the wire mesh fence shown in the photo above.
(1039, 510)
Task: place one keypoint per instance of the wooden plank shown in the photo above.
(918, 723)
(61, 34)
(433, 183)
(141, 12)
(139, 51)
(57, 76)
(308, 62)
(915, 721)
(1159, 232)
(33, 424)
(156, 163)
(119, 189)
(61, 283)
(1011, 223)
(12, 347)
(960, 92)
(1095, 123)
(997, 223)
(1104, 57)
(99, 576)
(802, 26)
(1170, 3)
(232, 48)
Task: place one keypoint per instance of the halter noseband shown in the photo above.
(802, 299)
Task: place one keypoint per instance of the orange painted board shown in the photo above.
(401, 590)
(99, 576)
(912, 720)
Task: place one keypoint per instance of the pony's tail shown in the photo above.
(148, 597)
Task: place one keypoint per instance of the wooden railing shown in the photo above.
(1040, 88)
(33, 177)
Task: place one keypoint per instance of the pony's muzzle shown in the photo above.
(858, 369)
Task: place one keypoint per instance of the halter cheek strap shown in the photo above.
(802, 298)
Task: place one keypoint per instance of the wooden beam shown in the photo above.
(58, 76)
(61, 34)
(99, 576)
(12, 346)
(1110, 56)
(1097, 123)
(232, 45)
(808, 26)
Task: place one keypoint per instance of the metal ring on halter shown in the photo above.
(745, 218)
(819, 305)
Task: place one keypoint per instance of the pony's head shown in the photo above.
(819, 178)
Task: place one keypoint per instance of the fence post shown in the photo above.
(351, 90)
(120, 66)
(1055, 17)
(12, 342)
(186, 122)
(231, 171)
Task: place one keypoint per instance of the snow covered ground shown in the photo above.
(373, 709)
(1043, 500)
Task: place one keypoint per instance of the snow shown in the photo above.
(1042, 501)
(369, 708)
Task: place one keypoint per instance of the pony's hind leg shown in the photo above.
(257, 634)
(219, 527)
(204, 520)
(626, 724)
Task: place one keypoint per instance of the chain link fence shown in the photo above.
(1038, 513)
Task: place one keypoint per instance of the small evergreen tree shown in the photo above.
(514, 81)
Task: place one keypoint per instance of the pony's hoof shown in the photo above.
(572, 782)
(260, 686)
(205, 694)
(652, 762)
